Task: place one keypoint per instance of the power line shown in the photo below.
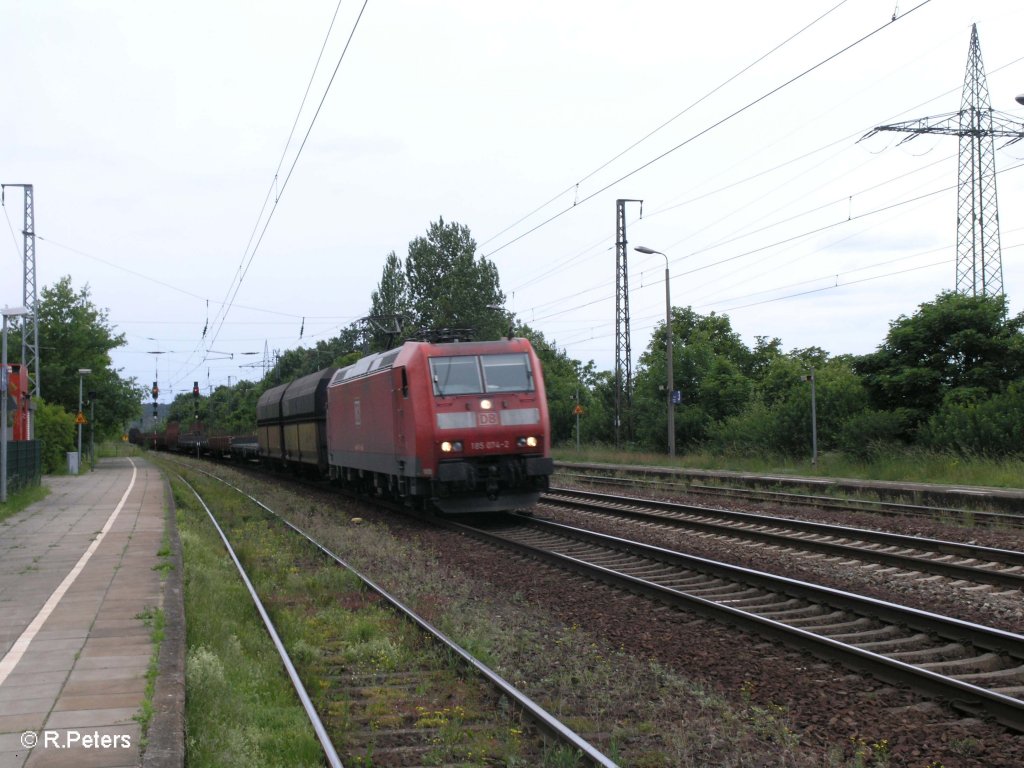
(567, 262)
(252, 248)
(640, 141)
(711, 127)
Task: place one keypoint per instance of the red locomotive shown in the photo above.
(464, 425)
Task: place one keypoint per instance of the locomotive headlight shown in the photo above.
(527, 442)
(486, 405)
(446, 447)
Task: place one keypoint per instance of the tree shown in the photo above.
(75, 334)
(957, 348)
(449, 287)
(777, 417)
(711, 368)
(389, 306)
(568, 383)
(990, 427)
(301, 361)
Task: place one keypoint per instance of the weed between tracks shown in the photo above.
(381, 689)
(638, 712)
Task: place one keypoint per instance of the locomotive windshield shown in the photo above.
(473, 375)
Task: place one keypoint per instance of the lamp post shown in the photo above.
(668, 352)
(4, 379)
(82, 373)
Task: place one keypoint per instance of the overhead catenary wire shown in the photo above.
(565, 263)
(735, 238)
(668, 122)
(759, 249)
(253, 246)
(709, 128)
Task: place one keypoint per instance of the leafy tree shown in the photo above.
(957, 349)
(991, 427)
(232, 410)
(389, 306)
(74, 334)
(449, 287)
(568, 383)
(305, 360)
(711, 368)
(778, 416)
(764, 352)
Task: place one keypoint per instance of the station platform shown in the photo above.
(81, 577)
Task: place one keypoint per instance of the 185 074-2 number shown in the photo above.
(490, 445)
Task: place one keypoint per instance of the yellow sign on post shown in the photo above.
(80, 418)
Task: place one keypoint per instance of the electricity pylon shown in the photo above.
(979, 264)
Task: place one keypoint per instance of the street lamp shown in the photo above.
(4, 378)
(668, 351)
(82, 373)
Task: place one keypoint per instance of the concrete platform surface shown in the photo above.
(82, 575)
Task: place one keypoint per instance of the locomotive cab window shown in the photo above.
(472, 375)
(456, 375)
(507, 373)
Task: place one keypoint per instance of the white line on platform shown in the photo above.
(13, 656)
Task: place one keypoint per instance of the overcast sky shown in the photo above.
(153, 133)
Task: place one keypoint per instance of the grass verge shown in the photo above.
(240, 707)
(22, 499)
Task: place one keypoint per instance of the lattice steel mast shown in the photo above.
(979, 264)
(623, 355)
(30, 297)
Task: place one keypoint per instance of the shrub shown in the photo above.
(55, 429)
(991, 427)
(869, 433)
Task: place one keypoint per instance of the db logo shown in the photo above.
(487, 419)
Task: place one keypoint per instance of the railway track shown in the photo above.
(969, 563)
(995, 507)
(386, 716)
(977, 669)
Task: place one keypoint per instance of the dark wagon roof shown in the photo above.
(303, 398)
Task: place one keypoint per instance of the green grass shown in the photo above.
(675, 717)
(154, 619)
(907, 465)
(21, 499)
(327, 623)
(240, 707)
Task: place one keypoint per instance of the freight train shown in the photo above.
(461, 426)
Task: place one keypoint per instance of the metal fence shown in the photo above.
(24, 464)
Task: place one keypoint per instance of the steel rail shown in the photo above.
(1007, 499)
(541, 717)
(1007, 710)
(300, 689)
(590, 501)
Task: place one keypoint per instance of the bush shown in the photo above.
(991, 427)
(55, 430)
(870, 433)
(750, 433)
